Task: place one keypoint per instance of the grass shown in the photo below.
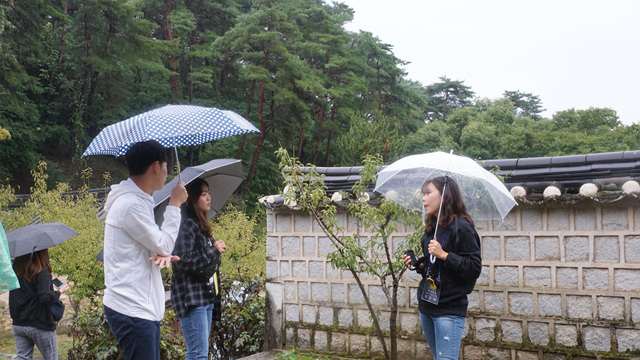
(8, 345)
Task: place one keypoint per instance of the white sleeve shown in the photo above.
(140, 225)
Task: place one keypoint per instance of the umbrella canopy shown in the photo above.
(36, 237)
(170, 125)
(223, 176)
(484, 194)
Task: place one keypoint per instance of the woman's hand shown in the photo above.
(63, 288)
(164, 261)
(435, 249)
(221, 246)
(406, 260)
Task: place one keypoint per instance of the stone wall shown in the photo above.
(557, 281)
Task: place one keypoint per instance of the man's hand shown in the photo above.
(164, 261)
(178, 194)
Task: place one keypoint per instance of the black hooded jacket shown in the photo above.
(29, 305)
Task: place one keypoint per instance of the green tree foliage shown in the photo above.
(374, 256)
(525, 104)
(445, 96)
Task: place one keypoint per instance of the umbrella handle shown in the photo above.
(435, 233)
(175, 148)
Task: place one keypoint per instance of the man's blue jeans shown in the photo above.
(138, 338)
(196, 326)
(444, 335)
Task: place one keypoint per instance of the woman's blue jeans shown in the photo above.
(444, 335)
(196, 326)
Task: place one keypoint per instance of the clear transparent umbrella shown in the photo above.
(483, 193)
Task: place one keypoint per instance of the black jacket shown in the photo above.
(458, 274)
(29, 305)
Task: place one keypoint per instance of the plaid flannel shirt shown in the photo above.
(195, 250)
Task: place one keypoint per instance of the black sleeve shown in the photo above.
(465, 259)
(42, 283)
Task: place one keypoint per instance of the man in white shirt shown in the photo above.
(134, 294)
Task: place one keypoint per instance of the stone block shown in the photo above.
(325, 246)
(352, 223)
(494, 302)
(320, 341)
(376, 345)
(290, 336)
(506, 276)
(497, 353)
(325, 316)
(319, 291)
(586, 219)
(518, 248)
(607, 249)
(405, 349)
(384, 320)
(579, 307)
(471, 352)
(337, 293)
(550, 305)
(526, 355)
(363, 318)
(485, 329)
(304, 339)
(628, 339)
(302, 223)
(402, 299)
(595, 279)
(474, 301)
(303, 290)
(338, 342)
(413, 298)
(300, 269)
(566, 335)
(273, 246)
(635, 310)
(627, 279)
(537, 277)
(531, 219)
(270, 220)
(491, 249)
(558, 219)
(357, 344)
(632, 249)
(397, 242)
(355, 295)
(576, 248)
(547, 248)
(597, 338)
(376, 295)
(539, 333)
(283, 223)
(309, 314)
(509, 222)
(345, 317)
(291, 246)
(316, 269)
(292, 312)
(290, 290)
(511, 331)
(521, 303)
(555, 356)
(332, 273)
(285, 269)
(614, 218)
(567, 278)
(610, 308)
(272, 270)
(408, 322)
(309, 246)
(484, 276)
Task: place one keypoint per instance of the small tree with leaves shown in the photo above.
(374, 256)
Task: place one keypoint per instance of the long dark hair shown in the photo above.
(26, 268)
(194, 190)
(452, 204)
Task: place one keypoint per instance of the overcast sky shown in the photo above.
(571, 53)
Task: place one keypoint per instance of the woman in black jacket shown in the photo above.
(452, 265)
(192, 295)
(29, 306)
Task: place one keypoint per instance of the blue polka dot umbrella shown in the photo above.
(172, 126)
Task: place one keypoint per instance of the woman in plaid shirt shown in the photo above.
(193, 298)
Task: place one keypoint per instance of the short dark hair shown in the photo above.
(142, 154)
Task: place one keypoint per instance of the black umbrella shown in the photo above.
(31, 238)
